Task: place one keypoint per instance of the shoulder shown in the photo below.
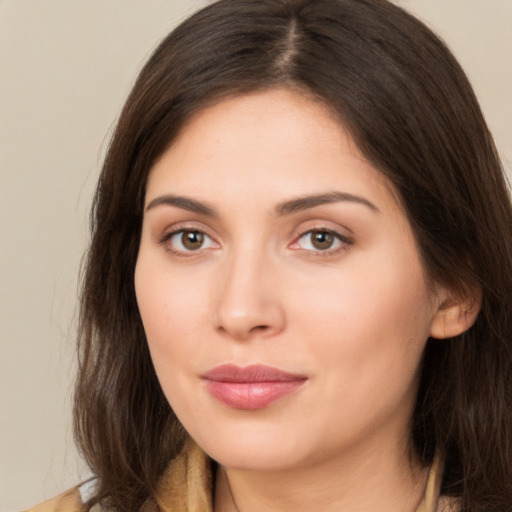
(69, 501)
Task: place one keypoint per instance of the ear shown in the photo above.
(455, 313)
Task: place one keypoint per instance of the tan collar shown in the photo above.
(187, 485)
(430, 500)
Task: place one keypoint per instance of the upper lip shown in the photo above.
(251, 373)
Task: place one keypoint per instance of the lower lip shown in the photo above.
(251, 395)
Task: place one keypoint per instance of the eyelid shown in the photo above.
(345, 241)
(182, 227)
(182, 232)
(186, 225)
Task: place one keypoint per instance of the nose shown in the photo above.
(248, 302)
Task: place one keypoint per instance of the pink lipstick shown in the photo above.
(250, 387)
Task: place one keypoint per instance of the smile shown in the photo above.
(251, 387)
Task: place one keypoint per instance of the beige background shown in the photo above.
(65, 69)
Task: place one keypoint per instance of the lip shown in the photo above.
(250, 387)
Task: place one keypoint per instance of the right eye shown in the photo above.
(188, 240)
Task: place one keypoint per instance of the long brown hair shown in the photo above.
(412, 112)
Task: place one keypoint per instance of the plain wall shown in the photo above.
(65, 70)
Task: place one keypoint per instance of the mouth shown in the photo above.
(250, 387)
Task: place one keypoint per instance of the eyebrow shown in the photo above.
(307, 202)
(282, 209)
(186, 203)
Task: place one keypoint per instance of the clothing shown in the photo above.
(186, 486)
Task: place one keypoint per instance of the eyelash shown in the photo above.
(344, 242)
(181, 231)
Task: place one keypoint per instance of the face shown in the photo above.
(280, 287)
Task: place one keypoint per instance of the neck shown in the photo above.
(384, 480)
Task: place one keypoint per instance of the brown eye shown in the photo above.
(322, 240)
(188, 240)
(192, 240)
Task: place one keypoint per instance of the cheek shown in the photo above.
(366, 337)
(170, 306)
(367, 322)
(363, 296)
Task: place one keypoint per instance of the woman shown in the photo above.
(298, 291)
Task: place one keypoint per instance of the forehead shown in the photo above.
(274, 142)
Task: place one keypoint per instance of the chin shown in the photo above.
(258, 450)
(254, 459)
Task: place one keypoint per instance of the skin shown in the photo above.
(353, 318)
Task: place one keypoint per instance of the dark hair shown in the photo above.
(413, 114)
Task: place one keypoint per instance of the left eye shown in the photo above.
(320, 240)
(190, 240)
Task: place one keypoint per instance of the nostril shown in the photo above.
(260, 328)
